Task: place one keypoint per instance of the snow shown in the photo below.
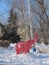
(12, 44)
(9, 57)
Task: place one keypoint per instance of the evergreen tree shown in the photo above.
(11, 32)
(13, 36)
(12, 17)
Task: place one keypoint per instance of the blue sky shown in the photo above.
(4, 8)
(3, 11)
(47, 3)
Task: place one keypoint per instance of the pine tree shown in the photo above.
(14, 37)
(12, 17)
(11, 31)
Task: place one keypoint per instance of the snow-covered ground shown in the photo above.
(9, 57)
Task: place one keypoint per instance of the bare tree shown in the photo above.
(43, 19)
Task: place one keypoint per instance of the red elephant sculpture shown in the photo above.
(24, 47)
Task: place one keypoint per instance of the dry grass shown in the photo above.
(4, 43)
